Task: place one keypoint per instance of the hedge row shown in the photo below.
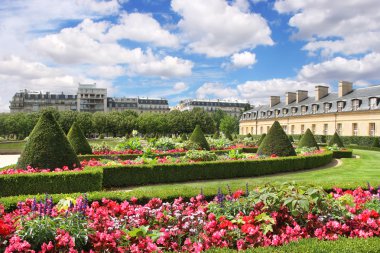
(124, 176)
(364, 148)
(342, 245)
(342, 153)
(52, 182)
(134, 156)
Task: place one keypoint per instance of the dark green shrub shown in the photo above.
(376, 143)
(308, 140)
(276, 142)
(216, 135)
(262, 137)
(197, 137)
(101, 136)
(342, 153)
(183, 137)
(323, 139)
(48, 146)
(51, 182)
(249, 135)
(229, 136)
(291, 138)
(78, 141)
(336, 140)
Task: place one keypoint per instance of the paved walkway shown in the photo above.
(6, 160)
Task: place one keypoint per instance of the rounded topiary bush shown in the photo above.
(262, 137)
(376, 142)
(78, 141)
(197, 137)
(308, 140)
(276, 143)
(335, 139)
(48, 146)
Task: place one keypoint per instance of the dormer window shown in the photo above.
(284, 111)
(262, 114)
(373, 103)
(269, 113)
(340, 106)
(327, 107)
(277, 112)
(355, 104)
(294, 110)
(314, 109)
(303, 109)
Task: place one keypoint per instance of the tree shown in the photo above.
(203, 119)
(217, 117)
(197, 137)
(336, 140)
(308, 140)
(84, 120)
(48, 146)
(229, 125)
(376, 143)
(67, 119)
(78, 141)
(276, 143)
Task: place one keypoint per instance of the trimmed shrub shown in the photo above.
(249, 135)
(216, 135)
(308, 140)
(124, 176)
(276, 142)
(199, 138)
(51, 182)
(183, 137)
(342, 153)
(376, 143)
(78, 141)
(48, 146)
(336, 140)
(291, 138)
(262, 137)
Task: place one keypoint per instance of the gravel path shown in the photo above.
(6, 160)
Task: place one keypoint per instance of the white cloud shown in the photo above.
(218, 29)
(354, 25)
(244, 59)
(180, 87)
(108, 72)
(216, 90)
(143, 28)
(339, 68)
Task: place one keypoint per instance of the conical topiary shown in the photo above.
(78, 141)
(336, 140)
(197, 137)
(376, 142)
(249, 135)
(47, 146)
(308, 140)
(216, 135)
(229, 136)
(276, 143)
(262, 137)
(291, 138)
(183, 137)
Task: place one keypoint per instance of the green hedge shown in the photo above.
(364, 148)
(342, 245)
(52, 182)
(342, 153)
(122, 176)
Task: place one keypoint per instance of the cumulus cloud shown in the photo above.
(244, 59)
(218, 29)
(216, 90)
(108, 72)
(143, 28)
(365, 68)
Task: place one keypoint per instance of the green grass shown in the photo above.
(342, 245)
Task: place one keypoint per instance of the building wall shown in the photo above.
(363, 119)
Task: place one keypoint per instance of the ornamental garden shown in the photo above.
(65, 195)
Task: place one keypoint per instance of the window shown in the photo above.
(302, 129)
(261, 130)
(242, 131)
(325, 129)
(277, 112)
(284, 111)
(285, 128)
(373, 103)
(340, 106)
(294, 110)
(303, 109)
(251, 130)
(372, 129)
(269, 113)
(327, 107)
(292, 129)
(314, 109)
(355, 104)
(354, 129)
(339, 128)
(313, 127)
(262, 114)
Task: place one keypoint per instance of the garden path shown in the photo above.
(6, 160)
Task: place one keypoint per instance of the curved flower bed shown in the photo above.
(287, 214)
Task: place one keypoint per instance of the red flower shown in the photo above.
(237, 194)
(5, 229)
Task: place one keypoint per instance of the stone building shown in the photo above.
(350, 112)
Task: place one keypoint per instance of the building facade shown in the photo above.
(350, 112)
(233, 108)
(89, 98)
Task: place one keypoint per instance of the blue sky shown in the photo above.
(235, 49)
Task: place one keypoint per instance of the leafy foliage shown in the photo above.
(48, 146)
(336, 140)
(198, 137)
(376, 142)
(200, 155)
(262, 137)
(78, 141)
(308, 140)
(276, 143)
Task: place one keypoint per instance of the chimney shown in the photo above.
(321, 91)
(274, 100)
(301, 95)
(290, 97)
(344, 88)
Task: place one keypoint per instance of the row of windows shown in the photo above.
(217, 104)
(356, 103)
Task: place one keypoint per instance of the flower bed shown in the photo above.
(269, 216)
